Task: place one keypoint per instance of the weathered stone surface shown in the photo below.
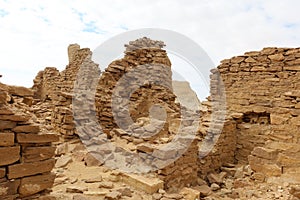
(289, 160)
(266, 168)
(7, 139)
(276, 57)
(34, 184)
(9, 155)
(9, 187)
(262, 152)
(90, 160)
(35, 138)
(29, 169)
(125, 191)
(216, 178)
(292, 68)
(295, 191)
(193, 194)
(114, 195)
(15, 118)
(63, 161)
(32, 154)
(20, 91)
(7, 124)
(76, 189)
(147, 148)
(2, 172)
(27, 129)
(94, 179)
(72, 50)
(106, 184)
(148, 185)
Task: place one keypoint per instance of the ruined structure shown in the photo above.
(140, 87)
(262, 94)
(259, 129)
(26, 153)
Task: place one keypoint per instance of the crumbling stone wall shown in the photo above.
(142, 52)
(223, 151)
(45, 83)
(26, 154)
(217, 131)
(147, 66)
(262, 95)
(50, 84)
(62, 115)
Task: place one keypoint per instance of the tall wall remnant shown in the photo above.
(62, 116)
(262, 93)
(146, 71)
(57, 87)
(144, 58)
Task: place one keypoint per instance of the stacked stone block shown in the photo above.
(26, 154)
(262, 92)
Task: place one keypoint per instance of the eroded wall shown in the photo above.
(26, 153)
(262, 95)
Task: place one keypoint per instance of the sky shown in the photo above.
(35, 34)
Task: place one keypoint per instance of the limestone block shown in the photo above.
(7, 139)
(29, 169)
(32, 154)
(20, 91)
(34, 138)
(34, 184)
(270, 154)
(27, 129)
(9, 155)
(9, 187)
(7, 124)
(148, 185)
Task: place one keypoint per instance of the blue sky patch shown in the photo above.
(80, 14)
(124, 27)
(92, 28)
(290, 25)
(3, 13)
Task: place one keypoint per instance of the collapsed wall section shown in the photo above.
(149, 108)
(26, 154)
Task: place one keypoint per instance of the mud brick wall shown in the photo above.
(263, 86)
(26, 155)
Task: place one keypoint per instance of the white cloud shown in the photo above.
(35, 34)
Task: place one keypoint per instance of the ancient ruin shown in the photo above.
(255, 139)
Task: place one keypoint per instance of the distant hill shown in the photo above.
(185, 95)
